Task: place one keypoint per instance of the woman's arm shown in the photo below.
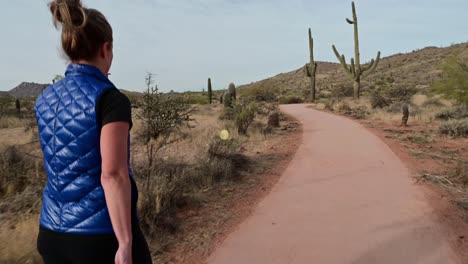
(116, 182)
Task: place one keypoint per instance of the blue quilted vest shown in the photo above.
(69, 132)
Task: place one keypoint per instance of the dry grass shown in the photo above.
(185, 170)
(13, 122)
(19, 241)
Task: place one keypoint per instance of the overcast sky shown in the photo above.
(186, 41)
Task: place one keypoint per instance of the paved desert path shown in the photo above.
(344, 198)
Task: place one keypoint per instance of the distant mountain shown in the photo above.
(27, 89)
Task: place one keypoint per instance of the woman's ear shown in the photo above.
(105, 52)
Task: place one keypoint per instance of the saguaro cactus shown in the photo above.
(18, 106)
(232, 91)
(311, 68)
(210, 92)
(355, 70)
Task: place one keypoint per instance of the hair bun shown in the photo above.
(70, 13)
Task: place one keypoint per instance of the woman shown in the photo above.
(89, 210)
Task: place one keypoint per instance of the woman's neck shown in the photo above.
(96, 64)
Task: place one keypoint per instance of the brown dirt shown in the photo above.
(340, 201)
(229, 204)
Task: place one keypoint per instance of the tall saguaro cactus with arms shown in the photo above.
(311, 68)
(355, 70)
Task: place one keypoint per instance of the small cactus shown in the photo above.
(18, 105)
(232, 91)
(210, 92)
(405, 110)
(227, 100)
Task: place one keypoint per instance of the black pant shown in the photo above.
(60, 248)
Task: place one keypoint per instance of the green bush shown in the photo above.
(385, 93)
(244, 115)
(291, 100)
(260, 94)
(454, 82)
(455, 128)
(341, 91)
(457, 112)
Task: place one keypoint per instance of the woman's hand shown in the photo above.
(124, 255)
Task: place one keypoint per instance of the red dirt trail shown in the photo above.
(344, 198)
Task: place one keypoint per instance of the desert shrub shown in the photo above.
(22, 179)
(343, 107)
(454, 82)
(223, 160)
(459, 175)
(6, 106)
(357, 112)
(260, 94)
(395, 107)
(291, 100)
(18, 171)
(273, 119)
(378, 101)
(385, 93)
(399, 92)
(174, 185)
(163, 116)
(244, 114)
(457, 112)
(434, 102)
(329, 104)
(455, 128)
(195, 99)
(341, 91)
(166, 188)
(324, 94)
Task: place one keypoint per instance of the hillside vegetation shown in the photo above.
(419, 69)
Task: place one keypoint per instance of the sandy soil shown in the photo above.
(344, 198)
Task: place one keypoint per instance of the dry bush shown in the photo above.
(259, 94)
(432, 102)
(459, 175)
(457, 112)
(175, 184)
(13, 122)
(19, 241)
(291, 100)
(21, 182)
(18, 171)
(387, 93)
(455, 128)
(378, 101)
(355, 111)
(265, 109)
(341, 91)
